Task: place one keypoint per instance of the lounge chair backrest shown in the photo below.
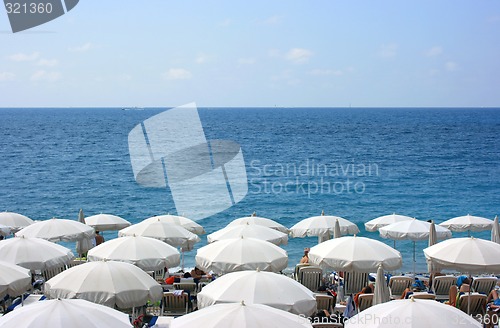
(310, 277)
(424, 296)
(159, 275)
(49, 273)
(354, 282)
(441, 286)
(325, 302)
(175, 304)
(297, 268)
(484, 285)
(477, 303)
(190, 287)
(365, 301)
(398, 284)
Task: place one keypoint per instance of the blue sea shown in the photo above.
(350, 162)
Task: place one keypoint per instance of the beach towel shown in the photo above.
(178, 293)
(350, 309)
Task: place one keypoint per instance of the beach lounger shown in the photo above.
(325, 302)
(175, 305)
(354, 282)
(484, 285)
(398, 284)
(49, 273)
(364, 301)
(441, 286)
(477, 303)
(159, 275)
(310, 276)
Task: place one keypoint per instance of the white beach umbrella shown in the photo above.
(412, 230)
(240, 254)
(240, 315)
(57, 230)
(472, 255)
(254, 219)
(109, 283)
(249, 231)
(147, 253)
(381, 293)
(258, 287)
(412, 313)
(34, 253)
(353, 253)
(4, 230)
(14, 280)
(495, 231)
(322, 226)
(106, 222)
(62, 313)
(467, 223)
(170, 233)
(186, 223)
(382, 221)
(15, 221)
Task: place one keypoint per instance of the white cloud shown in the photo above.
(201, 59)
(434, 51)
(287, 77)
(298, 55)
(388, 50)
(273, 20)
(47, 62)
(177, 74)
(325, 72)
(125, 77)
(451, 66)
(246, 61)
(42, 75)
(84, 47)
(20, 57)
(7, 76)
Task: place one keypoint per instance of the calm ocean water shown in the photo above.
(355, 163)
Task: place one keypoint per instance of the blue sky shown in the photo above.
(258, 53)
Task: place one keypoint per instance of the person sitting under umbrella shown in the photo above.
(305, 257)
(98, 238)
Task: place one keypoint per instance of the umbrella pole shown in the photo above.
(468, 299)
(414, 262)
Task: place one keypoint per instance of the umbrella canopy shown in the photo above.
(251, 231)
(322, 225)
(61, 313)
(385, 220)
(240, 315)
(353, 253)
(336, 230)
(186, 223)
(15, 221)
(4, 230)
(467, 223)
(412, 313)
(170, 233)
(260, 221)
(14, 280)
(57, 230)
(106, 222)
(240, 254)
(109, 283)
(34, 253)
(495, 231)
(258, 287)
(412, 230)
(470, 255)
(147, 253)
(381, 293)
